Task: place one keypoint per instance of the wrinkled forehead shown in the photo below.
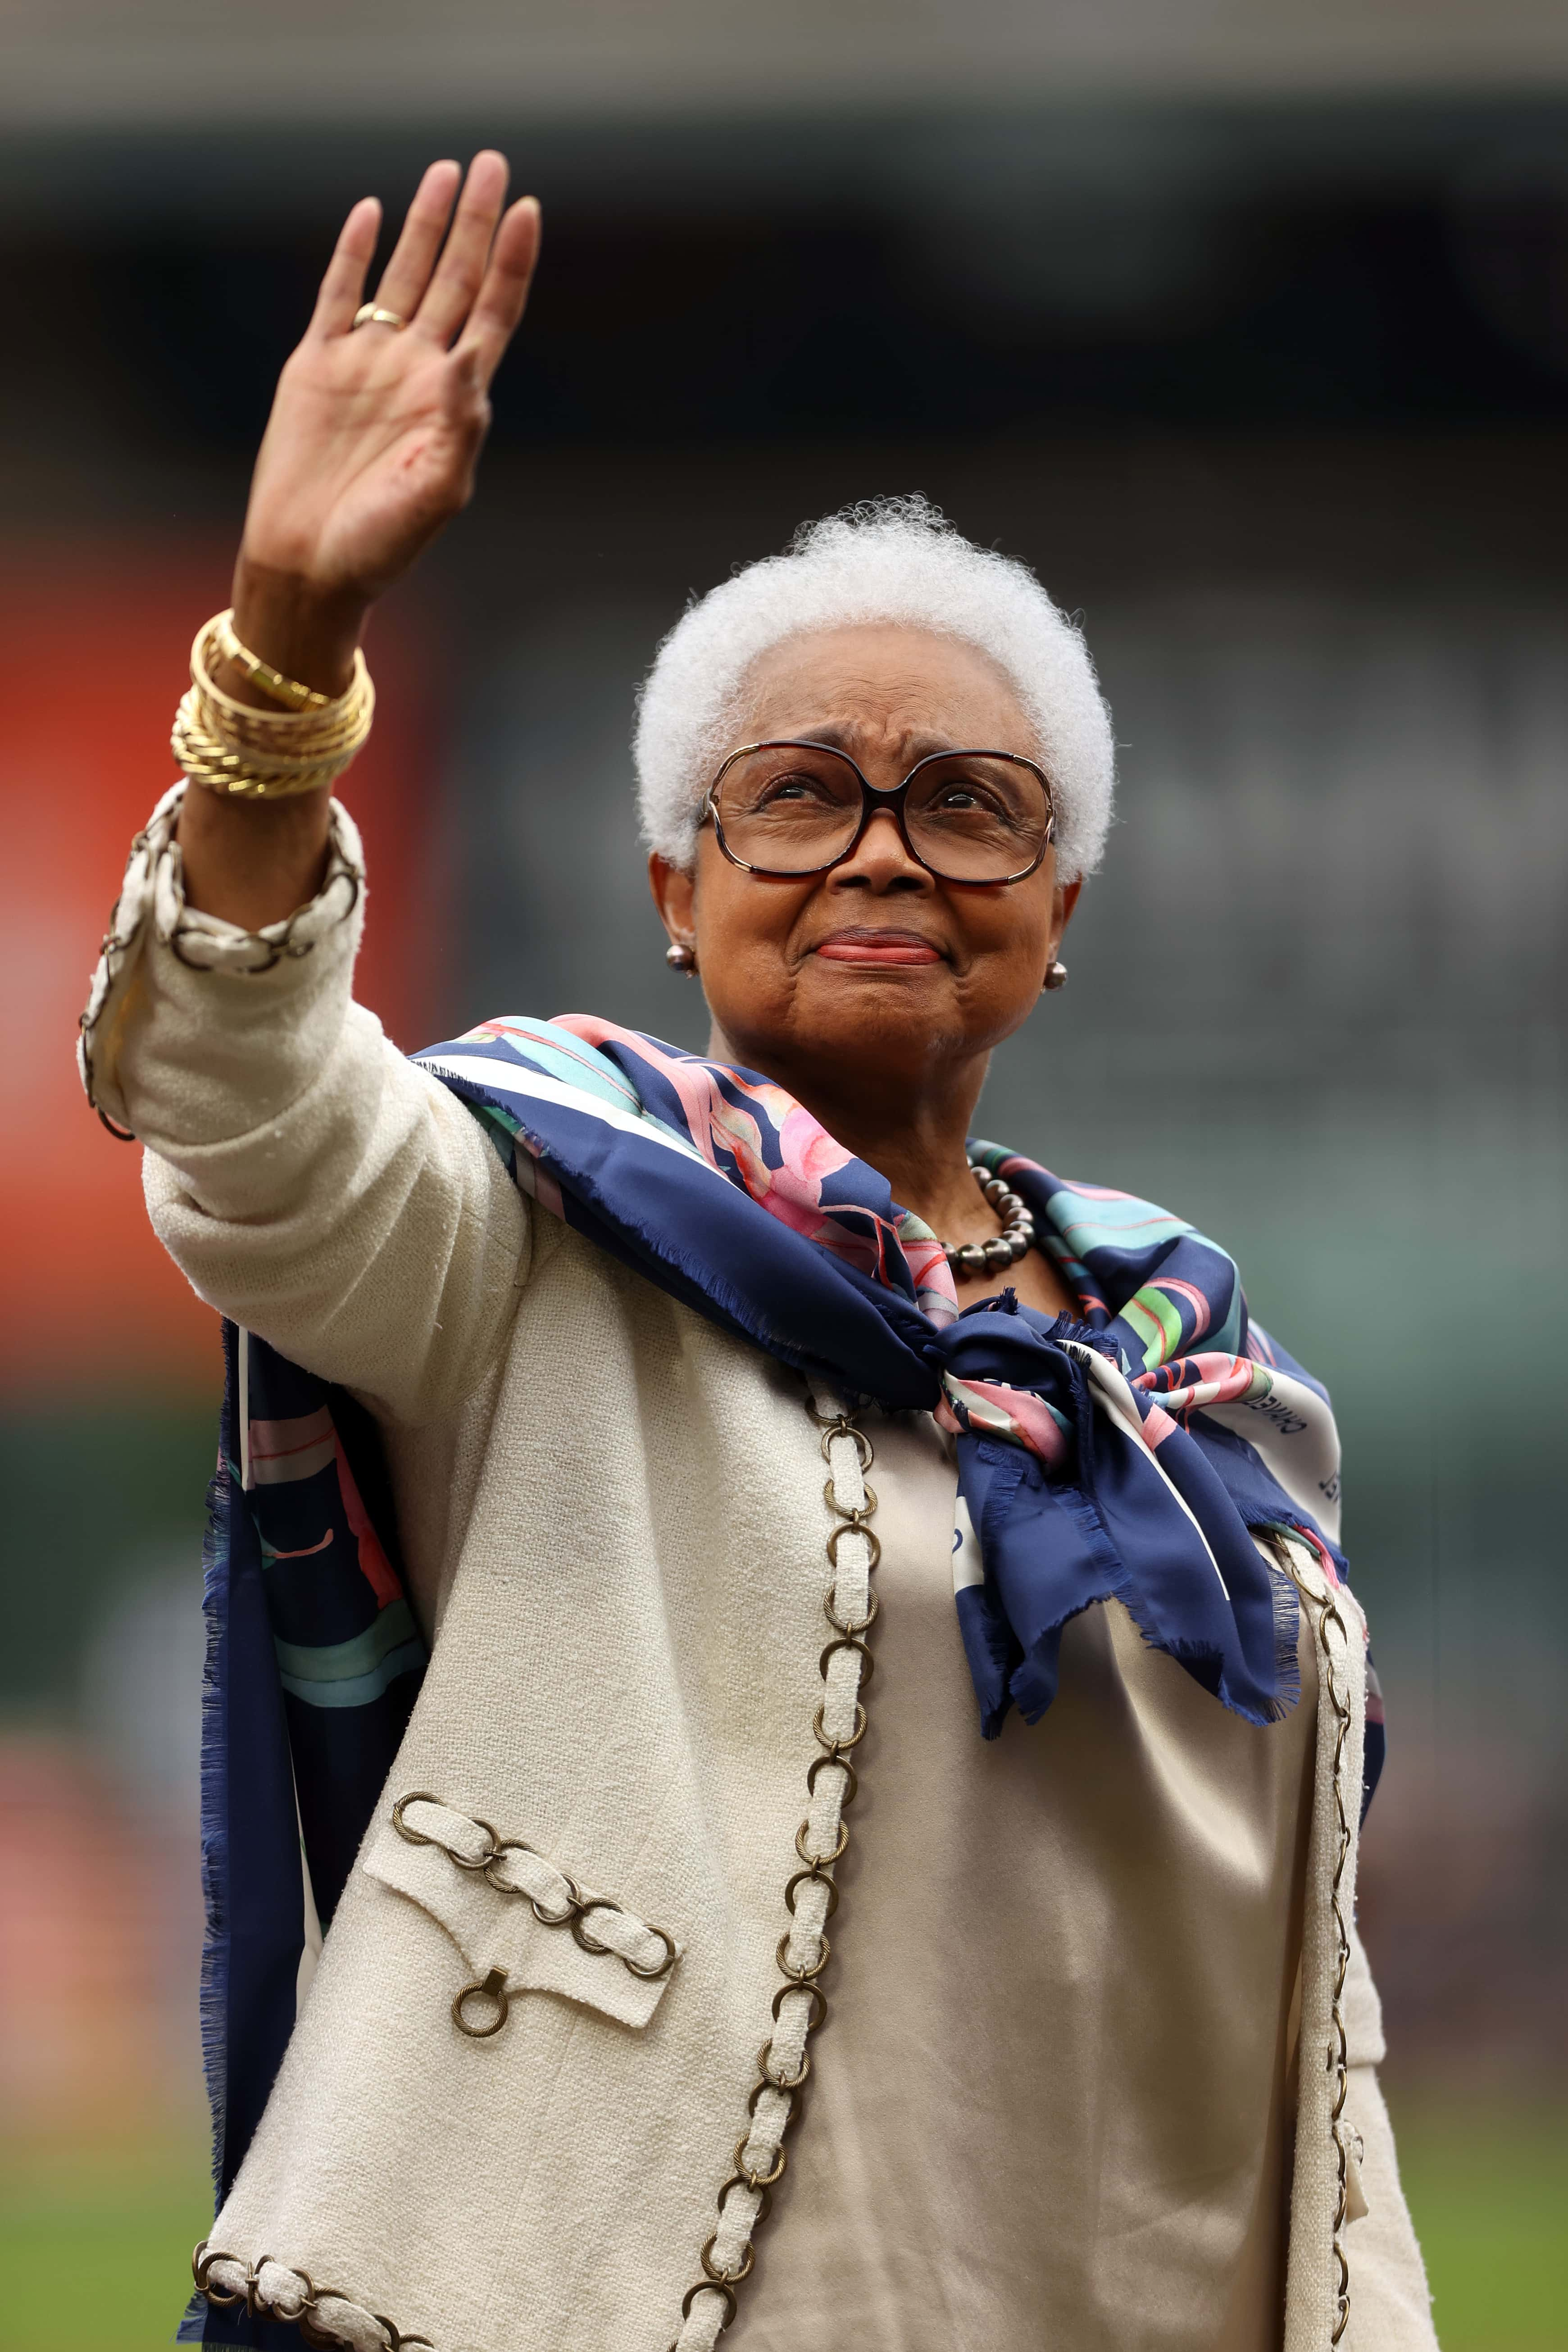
(879, 687)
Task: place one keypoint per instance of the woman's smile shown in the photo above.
(869, 943)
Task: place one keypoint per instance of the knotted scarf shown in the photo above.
(1130, 1449)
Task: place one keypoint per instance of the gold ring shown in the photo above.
(764, 2068)
(492, 1988)
(711, 2287)
(856, 1647)
(371, 314)
(202, 2261)
(843, 1624)
(800, 1979)
(851, 1783)
(726, 2278)
(874, 1542)
(663, 1968)
(755, 2180)
(815, 1872)
(414, 1797)
(807, 1984)
(485, 1860)
(856, 1737)
(823, 1861)
(581, 1937)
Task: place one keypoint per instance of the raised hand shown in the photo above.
(375, 431)
(371, 445)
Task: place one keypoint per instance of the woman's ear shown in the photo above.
(1061, 913)
(675, 895)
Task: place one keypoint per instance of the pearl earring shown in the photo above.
(1056, 975)
(680, 958)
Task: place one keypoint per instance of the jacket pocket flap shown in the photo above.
(511, 1909)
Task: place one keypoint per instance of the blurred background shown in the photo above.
(1245, 322)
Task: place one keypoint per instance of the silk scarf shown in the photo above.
(1131, 1449)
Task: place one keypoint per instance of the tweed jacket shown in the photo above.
(579, 1462)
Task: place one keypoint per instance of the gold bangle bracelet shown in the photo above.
(234, 775)
(243, 753)
(262, 675)
(296, 732)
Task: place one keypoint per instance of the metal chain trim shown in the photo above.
(275, 942)
(811, 1896)
(513, 1867)
(150, 892)
(293, 2297)
(136, 889)
(1324, 1611)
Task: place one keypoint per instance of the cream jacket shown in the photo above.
(579, 1460)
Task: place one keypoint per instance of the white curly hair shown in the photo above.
(884, 559)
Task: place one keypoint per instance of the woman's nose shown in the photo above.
(881, 861)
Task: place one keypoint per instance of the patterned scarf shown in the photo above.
(1129, 1450)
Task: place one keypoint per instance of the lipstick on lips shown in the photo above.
(862, 943)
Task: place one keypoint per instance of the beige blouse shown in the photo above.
(1060, 2119)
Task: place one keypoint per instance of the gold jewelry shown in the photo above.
(247, 755)
(371, 314)
(262, 675)
(301, 736)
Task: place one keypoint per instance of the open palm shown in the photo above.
(375, 432)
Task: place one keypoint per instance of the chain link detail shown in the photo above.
(147, 874)
(553, 1897)
(1324, 1611)
(272, 951)
(811, 1896)
(301, 2311)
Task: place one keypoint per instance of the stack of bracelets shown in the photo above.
(244, 753)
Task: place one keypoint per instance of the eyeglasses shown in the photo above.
(796, 808)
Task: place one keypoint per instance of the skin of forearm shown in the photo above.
(254, 862)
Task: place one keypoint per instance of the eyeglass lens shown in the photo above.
(793, 808)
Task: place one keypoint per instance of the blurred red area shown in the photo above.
(99, 1935)
(92, 661)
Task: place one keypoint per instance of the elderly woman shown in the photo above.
(684, 1973)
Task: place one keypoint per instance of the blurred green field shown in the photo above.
(95, 2251)
(1489, 2194)
(95, 2247)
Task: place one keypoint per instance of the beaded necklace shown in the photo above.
(1013, 1243)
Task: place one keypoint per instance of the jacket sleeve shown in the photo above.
(1391, 2309)
(308, 1180)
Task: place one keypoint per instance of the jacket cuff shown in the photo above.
(151, 921)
